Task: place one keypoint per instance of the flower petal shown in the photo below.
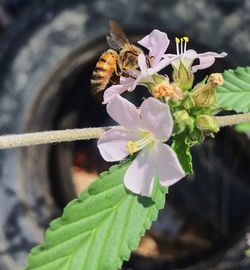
(162, 64)
(124, 113)
(156, 42)
(117, 89)
(156, 118)
(190, 54)
(142, 63)
(167, 166)
(112, 144)
(207, 59)
(143, 76)
(186, 58)
(143, 73)
(139, 177)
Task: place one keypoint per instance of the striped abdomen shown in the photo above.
(103, 71)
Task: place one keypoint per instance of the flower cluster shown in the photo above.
(175, 107)
(157, 43)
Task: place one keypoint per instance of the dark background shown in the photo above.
(48, 50)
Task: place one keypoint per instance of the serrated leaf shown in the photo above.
(182, 148)
(98, 230)
(234, 94)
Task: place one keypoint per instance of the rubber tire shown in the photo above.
(38, 42)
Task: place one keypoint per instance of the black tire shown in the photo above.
(42, 58)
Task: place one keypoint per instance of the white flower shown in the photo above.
(145, 131)
(187, 57)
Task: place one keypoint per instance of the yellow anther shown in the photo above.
(181, 39)
(186, 39)
(132, 147)
(177, 40)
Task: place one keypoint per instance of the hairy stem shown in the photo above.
(68, 135)
(231, 120)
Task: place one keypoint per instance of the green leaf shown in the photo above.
(98, 230)
(243, 127)
(234, 94)
(181, 146)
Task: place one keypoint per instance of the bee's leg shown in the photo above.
(118, 69)
(125, 74)
(148, 60)
(120, 72)
(115, 79)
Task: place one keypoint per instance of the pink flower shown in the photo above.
(144, 131)
(156, 42)
(187, 57)
(117, 89)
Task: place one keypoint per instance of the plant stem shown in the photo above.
(231, 120)
(68, 135)
(55, 136)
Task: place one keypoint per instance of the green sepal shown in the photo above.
(194, 137)
(100, 228)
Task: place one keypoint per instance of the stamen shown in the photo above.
(133, 147)
(181, 44)
(186, 40)
(177, 41)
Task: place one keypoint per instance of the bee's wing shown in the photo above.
(117, 35)
(112, 44)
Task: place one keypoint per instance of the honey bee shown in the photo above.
(106, 70)
(116, 62)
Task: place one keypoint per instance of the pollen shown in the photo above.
(132, 147)
(177, 40)
(186, 39)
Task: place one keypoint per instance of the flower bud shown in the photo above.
(183, 120)
(183, 76)
(207, 124)
(149, 85)
(159, 78)
(216, 79)
(188, 102)
(204, 95)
